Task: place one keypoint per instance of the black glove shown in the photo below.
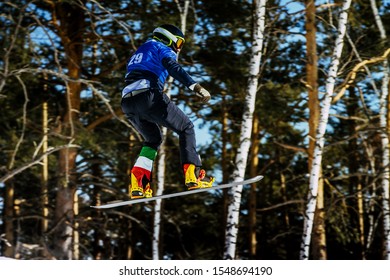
(202, 93)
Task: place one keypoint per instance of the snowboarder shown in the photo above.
(147, 107)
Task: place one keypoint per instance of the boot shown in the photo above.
(140, 184)
(141, 174)
(195, 177)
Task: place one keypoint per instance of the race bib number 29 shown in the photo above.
(137, 58)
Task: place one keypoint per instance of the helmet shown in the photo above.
(170, 35)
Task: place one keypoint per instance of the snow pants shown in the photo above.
(150, 109)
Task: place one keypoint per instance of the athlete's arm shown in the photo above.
(177, 72)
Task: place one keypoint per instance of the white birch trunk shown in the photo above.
(324, 115)
(384, 138)
(246, 131)
(371, 197)
(157, 206)
(161, 160)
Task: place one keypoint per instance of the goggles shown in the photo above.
(177, 40)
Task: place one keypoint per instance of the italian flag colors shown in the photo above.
(144, 164)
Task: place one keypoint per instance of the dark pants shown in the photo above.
(147, 110)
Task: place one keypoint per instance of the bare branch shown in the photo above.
(11, 164)
(291, 147)
(352, 75)
(273, 207)
(9, 175)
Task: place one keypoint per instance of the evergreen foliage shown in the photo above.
(35, 54)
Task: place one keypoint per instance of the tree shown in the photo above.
(70, 29)
(161, 160)
(34, 63)
(246, 129)
(384, 124)
(319, 238)
(316, 165)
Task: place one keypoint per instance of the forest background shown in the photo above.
(65, 145)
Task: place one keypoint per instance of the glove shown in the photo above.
(202, 93)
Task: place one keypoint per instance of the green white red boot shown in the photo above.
(195, 178)
(141, 174)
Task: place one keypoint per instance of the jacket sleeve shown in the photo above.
(177, 72)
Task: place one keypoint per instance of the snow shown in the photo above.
(5, 259)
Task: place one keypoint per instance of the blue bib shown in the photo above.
(149, 57)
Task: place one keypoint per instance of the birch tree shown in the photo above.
(246, 130)
(320, 139)
(383, 107)
(161, 160)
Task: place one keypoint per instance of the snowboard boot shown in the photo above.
(195, 177)
(140, 185)
(141, 174)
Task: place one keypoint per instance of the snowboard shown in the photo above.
(143, 200)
